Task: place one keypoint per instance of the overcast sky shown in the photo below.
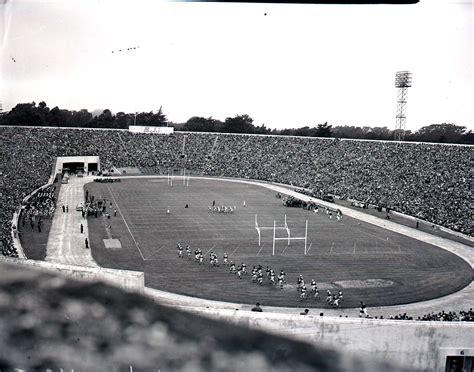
(284, 65)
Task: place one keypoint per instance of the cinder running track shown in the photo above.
(66, 244)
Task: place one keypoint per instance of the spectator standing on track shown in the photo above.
(82, 228)
(257, 308)
(64, 208)
(87, 243)
(115, 212)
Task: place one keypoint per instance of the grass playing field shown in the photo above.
(366, 262)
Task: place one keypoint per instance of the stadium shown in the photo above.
(388, 237)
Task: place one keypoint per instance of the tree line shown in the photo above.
(32, 114)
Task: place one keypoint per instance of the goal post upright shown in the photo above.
(258, 229)
(274, 230)
(306, 237)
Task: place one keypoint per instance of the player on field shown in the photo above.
(314, 286)
(188, 251)
(299, 282)
(232, 267)
(211, 259)
(244, 269)
(226, 257)
(254, 276)
(303, 293)
(268, 270)
(328, 297)
(282, 273)
(180, 250)
(260, 278)
(272, 276)
(280, 281)
(316, 294)
(363, 310)
(239, 272)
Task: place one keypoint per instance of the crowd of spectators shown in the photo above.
(41, 205)
(442, 316)
(430, 182)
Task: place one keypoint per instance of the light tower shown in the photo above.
(402, 82)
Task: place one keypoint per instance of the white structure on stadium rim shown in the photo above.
(288, 231)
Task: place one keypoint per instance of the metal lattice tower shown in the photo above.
(402, 82)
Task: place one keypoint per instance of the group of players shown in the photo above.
(332, 299)
(239, 270)
(257, 275)
(221, 209)
(329, 213)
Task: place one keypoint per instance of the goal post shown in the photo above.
(289, 239)
(259, 228)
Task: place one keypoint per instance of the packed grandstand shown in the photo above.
(428, 181)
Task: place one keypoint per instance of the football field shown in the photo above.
(364, 261)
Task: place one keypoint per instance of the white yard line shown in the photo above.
(260, 249)
(126, 224)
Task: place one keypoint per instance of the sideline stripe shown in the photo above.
(126, 224)
(155, 252)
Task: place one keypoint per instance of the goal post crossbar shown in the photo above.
(305, 237)
(259, 228)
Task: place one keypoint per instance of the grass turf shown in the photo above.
(347, 250)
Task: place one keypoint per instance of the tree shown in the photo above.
(105, 120)
(81, 119)
(124, 121)
(379, 133)
(238, 124)
(262, 129)
(323, 130)
(445, 133)
(200, 124)
(158, 120)
(25, 114)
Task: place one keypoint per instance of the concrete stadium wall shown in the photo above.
(126, 279)
(410, 344)
(60, 160)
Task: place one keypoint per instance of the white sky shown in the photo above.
(298, 65)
